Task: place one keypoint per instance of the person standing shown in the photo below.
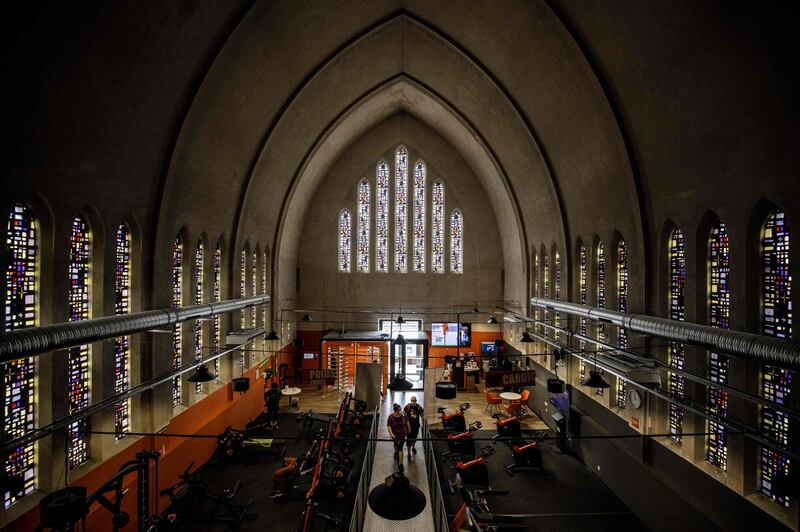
(398, 428)
(272, 398)
(413, 411)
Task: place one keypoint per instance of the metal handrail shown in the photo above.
(32, 341)
(362, 492)
(440, 521)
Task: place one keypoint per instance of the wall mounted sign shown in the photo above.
(319, 376)
(511, 378)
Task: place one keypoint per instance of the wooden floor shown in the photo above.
(328, 402)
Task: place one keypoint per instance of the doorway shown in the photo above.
(414, 369)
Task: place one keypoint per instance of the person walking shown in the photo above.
(398, 428)
(413, 411)
(272, 399)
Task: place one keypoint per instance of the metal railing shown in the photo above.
(362, 492)
(440, 521)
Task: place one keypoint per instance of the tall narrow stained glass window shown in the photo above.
(622, 306)
(457, 242)
(557, 256)
(19, 376)
(401, 210)
(177, 298)
(535, 285)
(419, 216)
(677, 309)
(719, 310)
(382, 217)
(546, 279)
(78, 378)
(344, 240)
(217, 289)
(362, 255)
(776, 383)
(254, 287)
(601, 301)
(583, 276)
(122, 295)
(197, 325)
(437, 227)
(243, 293)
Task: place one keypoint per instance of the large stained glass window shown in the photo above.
(583, 277)
(362, 255)
(217, 289)
(677, 309)
(457, 242)
(177, 298)
(382, 217)
(19, 376)
(78, 385)
(254, 287)
(622, 306)
(776, 383)
(535, 284)
(243, 286)
(344, 240)
(546, 275)
(719, 309)
(122, 305)
(197, 325)
(419, 216)
(437, 227)
(557, 256)
(401, 210)
(601, 299)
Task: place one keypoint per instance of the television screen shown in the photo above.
(451, 335)
(488, 348)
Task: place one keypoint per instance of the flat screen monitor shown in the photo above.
(451, 334)
(488, 348)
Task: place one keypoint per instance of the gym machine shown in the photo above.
(462, 445)
(455, 421)
(527, 456)
(474, 473)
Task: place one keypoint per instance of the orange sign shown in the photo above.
(635, 422)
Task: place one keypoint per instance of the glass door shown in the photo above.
(414, 363)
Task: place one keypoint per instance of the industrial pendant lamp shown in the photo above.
(595, 380)
(526, 337)
(396, 499)
(201, 374)
(273, 335)
(305, 317)
(400, 320)
(492, 320)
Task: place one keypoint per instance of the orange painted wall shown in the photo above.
(210, 416)
(436, 354)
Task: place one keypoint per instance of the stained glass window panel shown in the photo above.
(197, 325)
(217, 288)
(122, 294)
(437, 227)
(719, 305)
(19, 376)
(601, 300)
(78, 385)
(622, 306)
(558, 289)
(254, 287)
(177, 298)
(419, 216)
(457, 242)
(344, 241)
(583, 276)
(362, 259)
(776, 383)
(546, 280)
(677, 310)
(401, 211)
(382, 217)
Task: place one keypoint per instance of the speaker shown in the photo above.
(298, 342)
(241, 384)
(555, 385)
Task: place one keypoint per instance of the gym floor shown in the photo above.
(564, 496)
(255, 470)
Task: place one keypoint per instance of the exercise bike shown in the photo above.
(462, 445)
(474, 473)
(455, 421)
(527, 456)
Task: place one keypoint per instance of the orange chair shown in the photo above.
(493, 402)
(523, 399)
(514, 409)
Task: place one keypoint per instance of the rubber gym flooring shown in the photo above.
(255, 470)
(566, 495)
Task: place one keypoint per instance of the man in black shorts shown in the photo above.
(272, 398)
(413, 411)
(398, 427)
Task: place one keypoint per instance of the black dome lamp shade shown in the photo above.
(273, 335)
(595, 380)
(396, 499)
(492, 320)
(306, 317)
(400, 320)
(201, 374)
(399, 382)
(526, 337)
